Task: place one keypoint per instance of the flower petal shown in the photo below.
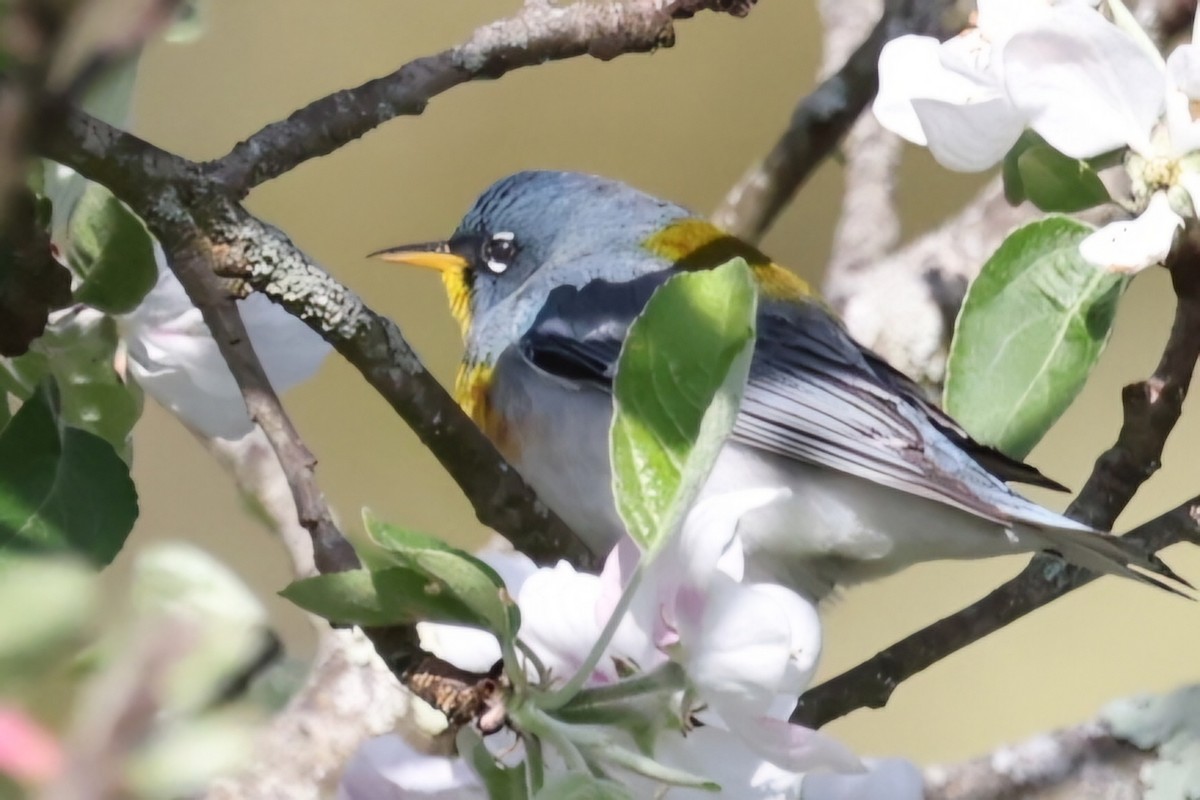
(793, 747)
(890, 778)
(465, 647)
(708, 531)
(174, 357)
(944, 96)
(972, 137)
(388, 768)
(1183, 89)
(559, 621)
(1130, 246)
(28, 752)
(737, 651)
(720, 756)
(804, 628)
(1086, 86)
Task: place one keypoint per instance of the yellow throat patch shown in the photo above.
(459, 293)
(471, 387)
(695, 244)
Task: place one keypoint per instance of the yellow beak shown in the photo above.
(432, 255)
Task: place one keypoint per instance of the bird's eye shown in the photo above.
(498, 251)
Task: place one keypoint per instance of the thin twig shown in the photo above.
(190, 257)
(871, 683)
(819, 123)
(267, 260)
(1086, 760)
(538, 33)
(1151, 409)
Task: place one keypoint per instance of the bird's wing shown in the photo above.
(814, 395)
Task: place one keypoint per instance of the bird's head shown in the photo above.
(532, 232)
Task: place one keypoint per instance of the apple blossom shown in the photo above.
(701, 661)
(952, 97)
(1085, 85)
(172, 355)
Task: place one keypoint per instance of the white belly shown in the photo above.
(832, 529)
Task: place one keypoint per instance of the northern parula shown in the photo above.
(546, 272)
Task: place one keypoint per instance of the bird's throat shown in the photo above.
(458, 289)
(472, 389)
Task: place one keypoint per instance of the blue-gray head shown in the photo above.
(533, 231)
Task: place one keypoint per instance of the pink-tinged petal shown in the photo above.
(643, 623)
(559, 621)
(618, 568)
(1130, 246)
(886, 779)
(911, 69)
(793, 747)
(704, 545)
(1085, 85)
(388, 768)
(28, 752)
(1183, 88)
(737, 652)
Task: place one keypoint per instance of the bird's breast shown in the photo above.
(473, 391)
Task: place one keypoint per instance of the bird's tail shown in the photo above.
(1106, 554)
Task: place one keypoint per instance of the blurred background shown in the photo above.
(681, 123)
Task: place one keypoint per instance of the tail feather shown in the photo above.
(1104, 553)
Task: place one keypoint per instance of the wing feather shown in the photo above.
(814, 395)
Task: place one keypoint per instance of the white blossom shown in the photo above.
(747, 650)
(1087, 86)
(173, 356)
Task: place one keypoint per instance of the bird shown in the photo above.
(545, 274)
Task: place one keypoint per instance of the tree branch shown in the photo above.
(267, 260)
(1087, 760)
(871, 683)
(1151, 409)
(539, 32)
(821, 120)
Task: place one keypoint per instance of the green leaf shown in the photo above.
(393, 596)
(1035, 171)
(347, 598)
(500, 782)
(20, 376)
(1054, 182)
(453, 573)
(79, 351)
(679, 381)
(110, 250)
(63, 595)
(95, 398)
(62, 488)
(1032, 326)
(1014, 187)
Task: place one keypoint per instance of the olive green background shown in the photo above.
(682, 123)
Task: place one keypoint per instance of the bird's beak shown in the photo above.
(433, 255)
